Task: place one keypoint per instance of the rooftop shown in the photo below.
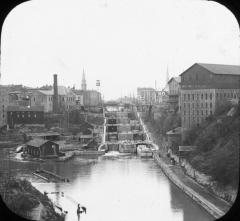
(218, 68)
(43, 134)
(177, 79)
(25, 108)
(221, 68)
(175, 131)
(62, 90)
(37, 142)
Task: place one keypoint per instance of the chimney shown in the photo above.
(55, 94)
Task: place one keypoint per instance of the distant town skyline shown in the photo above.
(124, 44)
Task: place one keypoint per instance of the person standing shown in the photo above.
(78, 211)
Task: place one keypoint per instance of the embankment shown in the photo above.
(26, 201)
(212, 209)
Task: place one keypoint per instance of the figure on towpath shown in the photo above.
(81, 209)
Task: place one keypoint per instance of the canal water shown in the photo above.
(114, 187)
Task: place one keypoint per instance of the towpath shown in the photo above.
(217, 206)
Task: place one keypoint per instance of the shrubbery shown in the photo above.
(217, 142)
(21, 197)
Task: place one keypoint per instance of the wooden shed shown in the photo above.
(42, 148)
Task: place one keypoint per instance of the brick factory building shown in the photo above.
(203, 87)
(20, 115)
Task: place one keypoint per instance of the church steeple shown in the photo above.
(167, 76)
(84, 84)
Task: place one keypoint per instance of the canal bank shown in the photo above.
(26, 201)
(216, 206)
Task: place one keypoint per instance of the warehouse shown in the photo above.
(42, 148)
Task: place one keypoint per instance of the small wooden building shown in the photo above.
(42, 148)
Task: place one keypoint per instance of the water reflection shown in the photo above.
(178, 202)
(121, 188)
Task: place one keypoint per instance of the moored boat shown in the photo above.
(19, 149)
(144, 151)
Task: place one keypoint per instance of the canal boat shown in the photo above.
(19, 149)
(144, 151)
(153, 147)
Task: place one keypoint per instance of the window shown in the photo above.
(206, 112)
(35, 115)
(206, 97)
(197, 96)
(202, 96)
(184, 105)
(210, 105)
(197, 112)
(188, 96)
(18, 116)
(210, 96)
(206, 105)
(193, 105)
(193, 96)
(184, 113)
(210, 112)
(201, 105)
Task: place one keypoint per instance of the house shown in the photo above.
(146, 95)
(66, 98)
(42, 148)
(86, 132)
(174, 92)
(88, 98)
(4, 102)
(21, 115)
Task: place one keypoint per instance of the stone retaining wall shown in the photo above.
(227, 193)
(214, 211)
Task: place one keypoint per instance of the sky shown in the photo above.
(123, 43)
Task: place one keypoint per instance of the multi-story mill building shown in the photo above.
(146, 95)
(203, 87)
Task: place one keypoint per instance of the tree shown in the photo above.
(222, 106)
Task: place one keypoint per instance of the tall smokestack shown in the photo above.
(55, 94)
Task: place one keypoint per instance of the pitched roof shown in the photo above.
(25, 108)
(62, 90)
(178, 79)
(175, 131)
(78, 92)
(221, 68)
(36, 142)
(43, 134)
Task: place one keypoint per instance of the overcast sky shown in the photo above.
(122, 43)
